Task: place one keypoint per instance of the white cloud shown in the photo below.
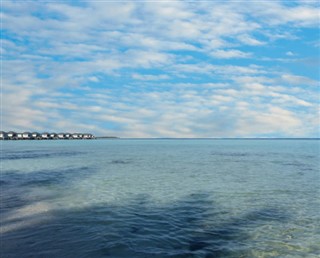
(146, 59)
(233, 53)
(149, 77)
(93, 79)
(18, 111)
(295, 79)
(253, 79)
(249, 40)
(287, 99)
(269, 121)
(276, 13)
(303, 15)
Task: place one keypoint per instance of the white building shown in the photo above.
(75, 136)
(12, 135)
(3, 135)
(45, 136)
(53, 136)
(36, 135)
(87, 136)
(61, 136)
(26, 135)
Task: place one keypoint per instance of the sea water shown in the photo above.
(160, 198)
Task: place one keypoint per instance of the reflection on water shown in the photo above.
(166, 199)
(190, 227)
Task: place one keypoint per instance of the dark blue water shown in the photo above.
(160, 198)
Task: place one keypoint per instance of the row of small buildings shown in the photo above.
(44, 136)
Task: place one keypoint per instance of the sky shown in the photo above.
(161, 68)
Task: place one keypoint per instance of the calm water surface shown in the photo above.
(160, 198)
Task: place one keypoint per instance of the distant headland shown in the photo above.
(45, 136)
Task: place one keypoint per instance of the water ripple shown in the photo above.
(36, 154)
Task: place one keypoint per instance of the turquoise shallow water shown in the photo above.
(160, 198)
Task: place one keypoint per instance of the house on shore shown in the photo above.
(3, 135)
(12, 135)
(75, 136)
(45, 136)
(87, 136)
(53, 136)
(26, 136)
(36, 136)
(61, 136)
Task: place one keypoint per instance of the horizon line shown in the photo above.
(208, 138)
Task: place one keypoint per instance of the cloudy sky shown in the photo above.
(161, 68)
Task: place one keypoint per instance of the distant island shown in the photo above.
(106, 137)
(45, 136)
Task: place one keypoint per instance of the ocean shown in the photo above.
(160, 198)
